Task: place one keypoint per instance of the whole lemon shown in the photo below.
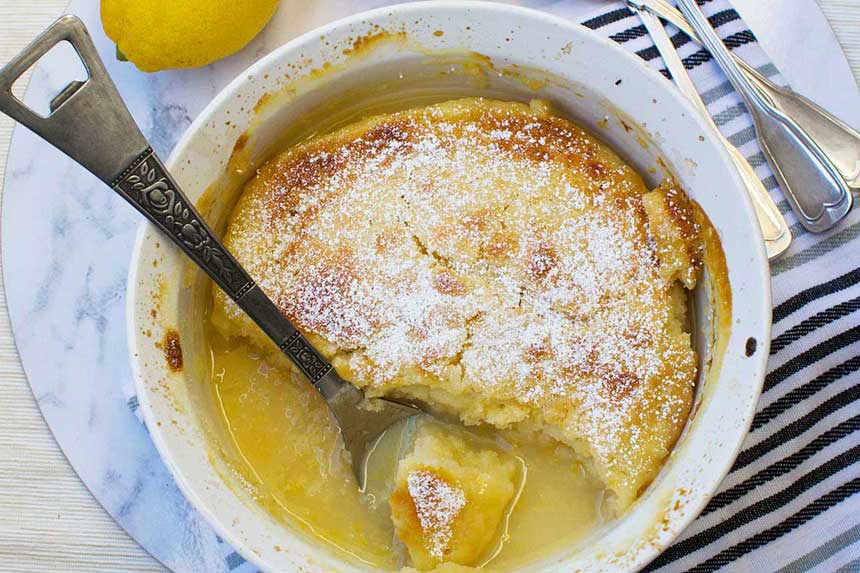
(163, 34)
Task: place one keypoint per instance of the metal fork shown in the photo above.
(811, 180)
(91, 124)
(839, 141)
(775, 231)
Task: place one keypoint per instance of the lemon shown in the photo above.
(164, 34)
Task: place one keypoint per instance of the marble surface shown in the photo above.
(66, 243)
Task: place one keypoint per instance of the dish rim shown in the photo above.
(135, 339)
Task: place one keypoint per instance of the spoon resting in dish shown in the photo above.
(90, 123)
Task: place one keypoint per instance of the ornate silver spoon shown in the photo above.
(90, 123)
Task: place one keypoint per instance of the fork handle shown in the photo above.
(811, 181)
(90, 123)
(838, 140)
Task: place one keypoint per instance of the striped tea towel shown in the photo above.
(792, 500)
(790, 503)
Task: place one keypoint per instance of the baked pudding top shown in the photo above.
(492, 260)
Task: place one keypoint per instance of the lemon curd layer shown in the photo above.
(285, 450)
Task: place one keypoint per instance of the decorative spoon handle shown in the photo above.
(811, 181)
(90, 123)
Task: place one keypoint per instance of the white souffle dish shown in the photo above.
(418, 53)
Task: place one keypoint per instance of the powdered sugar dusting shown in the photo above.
(486, 250)
(437, 504)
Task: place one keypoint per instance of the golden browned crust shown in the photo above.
(677, 233)
(492, 260)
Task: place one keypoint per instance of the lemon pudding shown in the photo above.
(450, 498)
(498, 264)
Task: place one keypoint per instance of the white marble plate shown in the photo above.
(66, 244)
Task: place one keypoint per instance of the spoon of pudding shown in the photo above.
(89, 122)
